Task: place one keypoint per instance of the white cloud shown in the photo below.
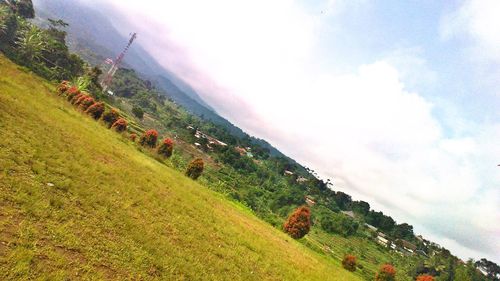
(476, 20)
(256, 63)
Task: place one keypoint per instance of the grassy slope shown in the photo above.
(115, 213)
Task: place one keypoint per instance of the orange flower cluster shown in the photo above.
(120, 125)
(299, 222)
(425, 278)
(349, 262)
(96, 110)
(149, 138)
(166, 148)
(386, 273)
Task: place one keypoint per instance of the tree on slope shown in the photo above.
(195, 168)
(386, 273)
(298, 223)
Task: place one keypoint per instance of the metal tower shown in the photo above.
(108, 77)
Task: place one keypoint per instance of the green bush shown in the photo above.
(339, 224)
(138, 112)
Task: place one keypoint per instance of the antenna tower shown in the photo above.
(108, 77)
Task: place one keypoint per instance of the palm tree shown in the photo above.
(31, 43)
(4, 13)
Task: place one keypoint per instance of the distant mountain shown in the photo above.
(93, 36)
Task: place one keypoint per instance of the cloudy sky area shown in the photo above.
(397, 101)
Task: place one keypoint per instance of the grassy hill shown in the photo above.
(78, 201)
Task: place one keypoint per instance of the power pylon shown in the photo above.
(108, 77)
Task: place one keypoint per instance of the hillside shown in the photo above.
(79, 201)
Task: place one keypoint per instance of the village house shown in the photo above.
(408, 246)
(288, 173)
(382, 240)
(301, 180)
(348, 213)
(371, 227)
(310, 201)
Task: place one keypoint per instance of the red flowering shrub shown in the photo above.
(73, 96)
(86, 103)
(149, 138)
(425, 278)
(78, 98)
(110, 117)
(120, 125)
(195, 168)
(133, 137)
(96, 110)
(349, 262)
(166, 148)
(298, 223)
(386, 273)
(63, 87)
(81, 99)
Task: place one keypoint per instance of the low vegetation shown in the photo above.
(240, 168)
(79, 201)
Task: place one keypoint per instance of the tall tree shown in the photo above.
(299, 222)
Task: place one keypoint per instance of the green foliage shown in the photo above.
(31, 42)
(81, 83)
(24, 8)
(79, 202)
(138, 112)
(339, 224)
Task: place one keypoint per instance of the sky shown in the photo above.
(396, 101)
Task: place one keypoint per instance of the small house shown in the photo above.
(310, 201)
(348, 213)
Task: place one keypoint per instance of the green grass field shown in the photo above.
(78, 201)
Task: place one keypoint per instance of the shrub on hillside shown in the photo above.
(349, 262)
(425, 277)
(86, 103)
(149, 138)
(73, 95)
(63, 87)
(96, 110)
(133, 137)
(138, 112)
(120, 125)
(340, 224)
(110, 117)
(386, 273)
(298, 223)
(195, 168)
(78, 99)
(166, 148)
